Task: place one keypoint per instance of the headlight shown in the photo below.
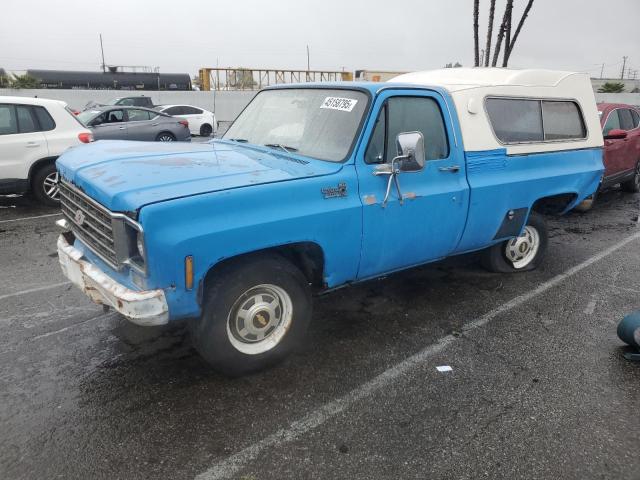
(140, 244)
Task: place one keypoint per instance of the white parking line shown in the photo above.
(31, 218)
(32, 290)
(232, 465)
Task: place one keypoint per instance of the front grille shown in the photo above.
(92, 223)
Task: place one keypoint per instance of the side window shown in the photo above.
(26, 122)
(44, 119)
(515, 120)
(172, 111)
(138, 115)
(636, 118)
(562, 121)
(127, 102)
(191, 111)
(8, 121)
(375, 149)
(416, 114)
(114, 116)
(613, 122)
(626, 120)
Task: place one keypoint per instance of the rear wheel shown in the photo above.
(255, 312)
(165, 137)
(633, 185)
(45, 185)
(206, 130)
(522, 253)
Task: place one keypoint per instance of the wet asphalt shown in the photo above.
(538, 389)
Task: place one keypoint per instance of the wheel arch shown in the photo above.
(162, 132)
(554, 204)
(308, 257)
(37, 165)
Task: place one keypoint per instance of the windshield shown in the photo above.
(319, 123)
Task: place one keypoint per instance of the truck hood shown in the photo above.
(125, 175)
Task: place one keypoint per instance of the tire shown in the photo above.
(206, 130)
(503, 257)
(587, 204)
(633, 185)
(237, 302)
(165, 137)
(45, 185)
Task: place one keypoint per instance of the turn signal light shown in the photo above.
(184, 122)
(188, 272)
(85, 137)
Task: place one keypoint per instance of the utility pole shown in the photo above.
(308, 59)
(482, 57)
(602, 70)
(624, 64)
(102, 51)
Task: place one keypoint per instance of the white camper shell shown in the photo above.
(472, 90)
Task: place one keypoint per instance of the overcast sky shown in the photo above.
(401, 35)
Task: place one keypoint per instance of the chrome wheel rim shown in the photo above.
(50, 186)
(259, 319)
(523, 249)
(166, 138)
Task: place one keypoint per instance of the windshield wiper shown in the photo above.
(283, 147)
(239, 140)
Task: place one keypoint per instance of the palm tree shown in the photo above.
(476, 8)
(611, 87)
(23, 81)
(492, 11)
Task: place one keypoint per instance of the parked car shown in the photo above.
(134, 123)
(318, 186)
(137, 101)
(620, 125)
(33, 133)
(201, 122)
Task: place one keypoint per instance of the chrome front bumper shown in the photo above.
(141, 307)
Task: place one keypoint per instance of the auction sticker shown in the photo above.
(337, 103)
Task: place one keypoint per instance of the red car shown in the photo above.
(621, 131)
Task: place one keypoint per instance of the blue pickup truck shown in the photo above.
(317, 186)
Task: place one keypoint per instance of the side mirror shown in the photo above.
(410, 147)
(616, 133)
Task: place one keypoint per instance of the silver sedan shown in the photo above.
(134, 123)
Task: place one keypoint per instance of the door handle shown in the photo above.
(155, 124)
(452, 169)
(32, 144)
(121, 128)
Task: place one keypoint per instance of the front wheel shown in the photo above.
(522, 253)
(45, 185)
(255, 313)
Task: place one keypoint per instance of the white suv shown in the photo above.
(33, 133)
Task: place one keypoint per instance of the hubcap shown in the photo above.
(522, 250)
(166, 138)
(259, 319)
(50, 186)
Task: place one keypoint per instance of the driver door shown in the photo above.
(427, 222)
(110, 126)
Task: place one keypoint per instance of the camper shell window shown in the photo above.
(528, 120)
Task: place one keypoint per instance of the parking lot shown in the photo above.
(538, 386)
